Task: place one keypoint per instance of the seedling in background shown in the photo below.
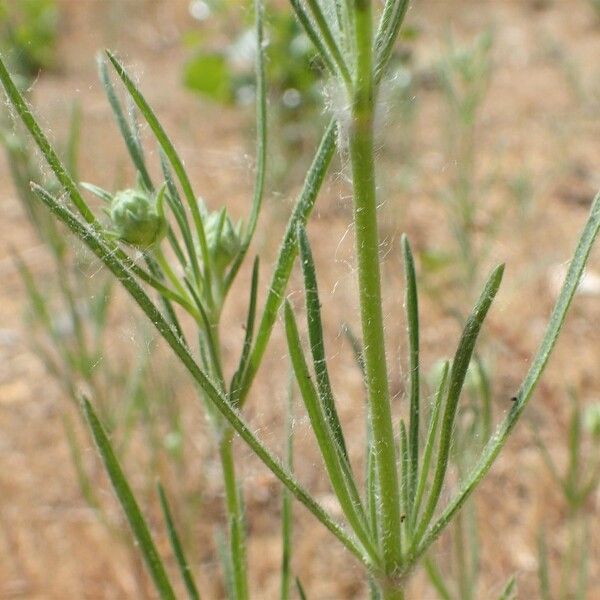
(392, 523)
(578, 484)
(464, 74)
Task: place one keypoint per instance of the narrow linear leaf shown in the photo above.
(313, 36)
(355, 344)
(159, 275)
(573, 467)
(207, 335)
(261, 143)
(344, 25)
(300, 588)
(174, 202)
(543, 570)
(287, 253)
(392, 18)
(131, 141)
(510, 589)
(485, 397)
(372, 484)
(460, 364)
(348, 499)
(317, 345)
(325, 34)
(129, 504)
(437, 579)
(404, 476)
(49, 153)
(176, 246)
(86, 486)
(36, 299)
(411, 302)
(250, 320)
(434, 420)
(73, 140)
(286, 499)
(184, 569)
(235, 515)
(97, 191)
(134, 125)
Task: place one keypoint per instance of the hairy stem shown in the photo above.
(367, 254)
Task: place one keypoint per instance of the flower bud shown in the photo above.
(223, 238)
(137, 218)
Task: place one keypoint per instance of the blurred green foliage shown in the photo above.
(209, 75)
(463, 75)
(28, 34)
(223, 72)
(578, 481)
(226, 74)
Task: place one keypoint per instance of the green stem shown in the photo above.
(392, 593)
(569, 567)
(462, 570)
(367, 246)
(237, 537)
(169, 273)
(214, 337)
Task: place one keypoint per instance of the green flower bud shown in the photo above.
(137, 218)
(223, 238)
(591, 420)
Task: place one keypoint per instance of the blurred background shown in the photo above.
(489, 151)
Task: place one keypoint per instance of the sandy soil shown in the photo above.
(535, 121)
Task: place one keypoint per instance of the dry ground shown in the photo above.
(534, 121)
